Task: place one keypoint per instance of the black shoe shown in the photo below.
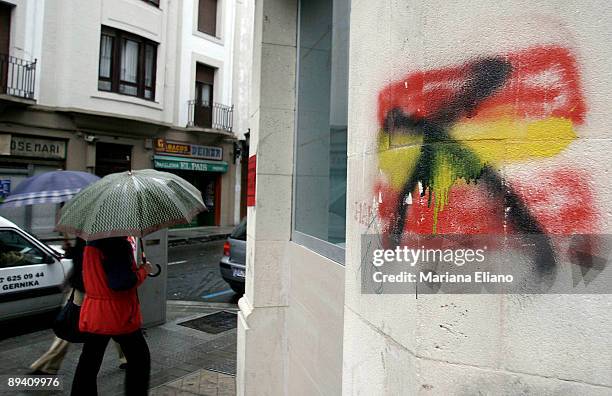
(123, 366)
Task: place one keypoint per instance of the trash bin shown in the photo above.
(152, 293)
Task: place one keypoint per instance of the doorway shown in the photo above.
(204, 86)
(5, 41)
(112, 158)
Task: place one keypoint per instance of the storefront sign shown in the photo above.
(39, 148)
(188, 150)
(5, 188)
(162, 146)
(178, 163)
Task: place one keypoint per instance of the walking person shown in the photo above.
(51, 361)
(111, 310)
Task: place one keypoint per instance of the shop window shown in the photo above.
(127, 64)
(207, 17)
(322, 97)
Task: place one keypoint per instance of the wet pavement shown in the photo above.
(183, 360)
(193, 273)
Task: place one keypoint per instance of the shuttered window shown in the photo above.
(207, 17)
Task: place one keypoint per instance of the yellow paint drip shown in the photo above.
(448, 171)
(443, 180)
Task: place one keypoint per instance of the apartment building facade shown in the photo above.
(111, 85)
(463, 118)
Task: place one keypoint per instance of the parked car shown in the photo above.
(233, 262)
(31, 273)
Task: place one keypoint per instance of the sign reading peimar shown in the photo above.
(446, 133)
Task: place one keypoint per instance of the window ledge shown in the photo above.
(127, 99)
(206, 36)
(326, 249)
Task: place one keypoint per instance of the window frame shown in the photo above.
(332, 251)
(119, 37)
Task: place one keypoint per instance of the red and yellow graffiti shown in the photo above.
(445, 132)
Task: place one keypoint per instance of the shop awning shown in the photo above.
(190, 164)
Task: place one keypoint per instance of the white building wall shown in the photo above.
(291, 316)
(198, 47)
(70, 56)
(243, 65)
(477, 344)
(67, 70)
(27, 33)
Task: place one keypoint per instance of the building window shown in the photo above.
(204, 86)
(127, 64)
(152, 2)
(207, 17)
(322, 113)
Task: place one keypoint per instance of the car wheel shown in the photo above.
(237, 287)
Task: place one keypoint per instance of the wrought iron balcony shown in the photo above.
(210, 115)
(17, 76)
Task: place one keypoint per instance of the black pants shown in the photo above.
(136, 353)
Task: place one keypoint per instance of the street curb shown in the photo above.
(190, 240)
(198, 304)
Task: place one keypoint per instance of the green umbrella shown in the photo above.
(134, 203)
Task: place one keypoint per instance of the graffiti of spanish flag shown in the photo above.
(444, 134)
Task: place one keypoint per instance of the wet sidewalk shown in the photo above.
(184, 360)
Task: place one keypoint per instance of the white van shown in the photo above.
(31, 273)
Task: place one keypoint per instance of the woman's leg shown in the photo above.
(138, 370)
(86, 373)
(51, 361)
(120, 354)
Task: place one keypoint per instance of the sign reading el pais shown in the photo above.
(188, 150)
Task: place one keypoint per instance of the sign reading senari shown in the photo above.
(188, 150)
(40, 148)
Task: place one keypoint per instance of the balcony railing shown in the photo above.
(210, 115)
(17, 76)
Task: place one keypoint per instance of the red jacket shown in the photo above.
(106, 310)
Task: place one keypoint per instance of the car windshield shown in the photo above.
(240, 231)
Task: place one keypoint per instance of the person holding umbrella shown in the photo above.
(47, 188)
(111, 310)
(51, 361)
(133, 203)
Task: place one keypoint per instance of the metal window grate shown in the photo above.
(213, 115)
(214, 323)
(17, 76)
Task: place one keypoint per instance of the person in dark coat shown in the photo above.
(111, 310)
